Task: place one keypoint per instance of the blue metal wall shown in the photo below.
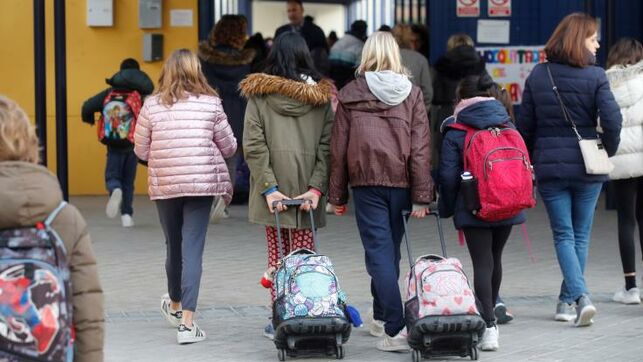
(532, 22)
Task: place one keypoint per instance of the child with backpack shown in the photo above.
(119, 106)
(484, 186)
(49, 282)
(286, 143)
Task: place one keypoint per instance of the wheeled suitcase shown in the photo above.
(441, 315)
(309, 312)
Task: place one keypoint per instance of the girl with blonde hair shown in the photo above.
(184, 135)
(380, 146)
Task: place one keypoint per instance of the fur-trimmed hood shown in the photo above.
(261, 84)
(223, 55)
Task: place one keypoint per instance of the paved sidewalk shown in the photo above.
(233, 306)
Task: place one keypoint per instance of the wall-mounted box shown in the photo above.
(150, 14)
(152, 47)
(100, 12)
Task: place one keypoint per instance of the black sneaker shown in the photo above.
(503, 316)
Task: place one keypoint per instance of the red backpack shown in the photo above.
(118, 121)
(497, 157)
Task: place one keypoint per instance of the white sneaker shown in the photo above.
(375, 327)
(398, 343)
(218, 211)
(114, 203)
(172, 316)
(187, 335)
(330, 209)
(564, 312)
(489, 340)
(127, 221)
(632, 296)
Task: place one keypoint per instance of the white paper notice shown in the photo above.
(182, 17)
(493, 31)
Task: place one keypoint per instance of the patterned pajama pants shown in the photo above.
(292, 239)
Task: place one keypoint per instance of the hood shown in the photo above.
(389, 87)
(28, 193)
(626, 83)
(285, 96)
(223, 55)
(130, 79)
(481, 113)
(460, 62)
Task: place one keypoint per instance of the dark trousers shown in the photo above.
(378, 211)
(120, 173)
(485, 246)
(629, 208)
(185, 222)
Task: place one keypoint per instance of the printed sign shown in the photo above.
(510, 66)
(468, 8)
(499, 8)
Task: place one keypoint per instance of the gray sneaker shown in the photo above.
(585, 311)
(564, 312)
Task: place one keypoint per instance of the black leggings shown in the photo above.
(485, 246)
(629, 208)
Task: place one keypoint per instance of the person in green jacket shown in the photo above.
(120, 169)
(286, 143)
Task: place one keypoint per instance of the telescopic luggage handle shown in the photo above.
(405, 215)
(293, 202)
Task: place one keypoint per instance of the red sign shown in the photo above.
(468, 8)
(499, 7)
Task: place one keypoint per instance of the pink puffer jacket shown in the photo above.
(185, 146)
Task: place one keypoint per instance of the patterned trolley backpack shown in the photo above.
(310, 308)
(35, 294)
(442, 318)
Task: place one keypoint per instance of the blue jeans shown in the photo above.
(120, 172)
(570, 206)
(378, 211)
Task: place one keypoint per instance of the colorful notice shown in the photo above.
(510, 66)
(468, 8)
(499, 8)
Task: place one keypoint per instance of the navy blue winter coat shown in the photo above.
(549, 137)
(480, 113)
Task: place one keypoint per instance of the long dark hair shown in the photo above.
(289, 58)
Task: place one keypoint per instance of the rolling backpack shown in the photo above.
(118, 121)
(35, 294)
(497, 157)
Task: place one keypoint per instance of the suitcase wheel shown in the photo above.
(339, 352)
(474, 354)
(281, 354)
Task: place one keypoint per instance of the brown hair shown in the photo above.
(18, 140)
(404, 35)
(626, 51)
(500, 94)
(181, 76)
(459, 39)
(230, 30)
(568, 40)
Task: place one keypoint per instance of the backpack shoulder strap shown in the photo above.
(55, 213)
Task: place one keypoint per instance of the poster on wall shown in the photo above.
(510, 66)
(468, 8)
(493, 31)
(497, 8)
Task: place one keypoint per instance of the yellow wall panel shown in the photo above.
(93, 54)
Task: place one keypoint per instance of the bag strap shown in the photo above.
(562, 104)
(54, 213)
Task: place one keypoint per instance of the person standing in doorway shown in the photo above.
(185, 137)
(312, 34)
